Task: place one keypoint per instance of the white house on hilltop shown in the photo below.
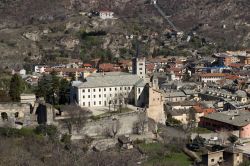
(106, 15)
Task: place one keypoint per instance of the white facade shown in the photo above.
(105, 90)
(105, 96)
(22, 72)
(40, 69)
(106, 15)
(211, 79)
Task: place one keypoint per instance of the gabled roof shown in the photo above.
(111, 80)
(241, 119)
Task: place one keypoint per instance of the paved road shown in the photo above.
(246, 148)
(171, 132)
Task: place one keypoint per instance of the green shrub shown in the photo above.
(12, 132)
(66, 138)
(47, 130)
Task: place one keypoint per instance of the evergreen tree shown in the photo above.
(64, 89)
(16, 87)
(186, 76)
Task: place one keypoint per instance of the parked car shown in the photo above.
(193, 147)
(214, 139)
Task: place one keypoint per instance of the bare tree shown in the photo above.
(120, 100)
(113, 128)
(141, 124)
(75, 117)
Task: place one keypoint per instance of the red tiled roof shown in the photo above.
(107, 67)
(150, 67)
(87, 65)
(176, 70)
(236, 65)
(212, 75)
(232, 77)
(68, 70)
(206, 111)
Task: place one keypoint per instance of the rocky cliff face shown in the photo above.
(34, 31)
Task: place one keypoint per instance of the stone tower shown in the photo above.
(139, 65)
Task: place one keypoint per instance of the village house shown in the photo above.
(236, 121)
(229, 156)
(125, 65)
(69, 72)
(32, 80)
(211, 77)
(174, 96)
(87, 66)
(40, 68)
(108, 67)
(106, 14)
(201, 111)
(181, 115)
(212, 158)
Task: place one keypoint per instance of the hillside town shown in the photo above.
(107, 83)
(118, 103)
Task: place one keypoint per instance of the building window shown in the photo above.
(110, 95)
(139, 90)
(83, 90)
(93, 90)
(88, 90)
(140, 68)
(140, 72)
(83, 97)
(100, 96)
(141, 64)
(94, 96)
(128, 88)
(115, 89)
(104, 95)
(110, 89)
(83, 103)
(120, 88)
(100, 103)
(220, 158)
(88, 96)
(100, 90)
(94, 103)
(104, 89)
(212, 160)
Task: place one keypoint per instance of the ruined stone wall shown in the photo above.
(16, 112)
(124, 123)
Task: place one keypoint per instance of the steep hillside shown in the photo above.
(38, 31)
(226, 21)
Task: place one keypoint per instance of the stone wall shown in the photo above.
(16, 112)
(123, 123)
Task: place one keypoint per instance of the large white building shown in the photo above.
(103, 89)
